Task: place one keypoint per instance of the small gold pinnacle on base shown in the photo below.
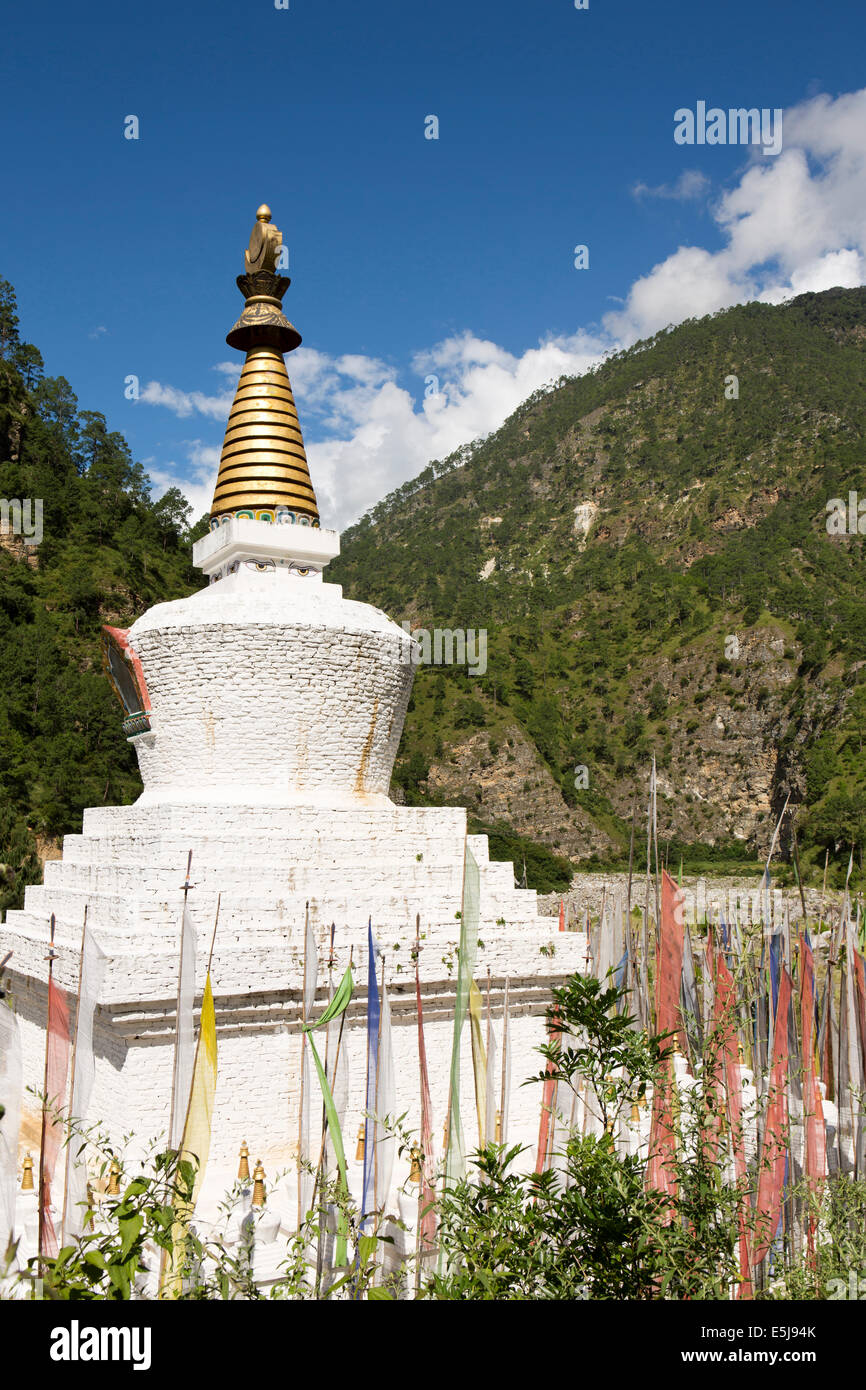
(415, 1170)
(113, 1188)
(359, 1152)
(244, 1163)
(27, 1173)
(499, 1126)
(259, 1194)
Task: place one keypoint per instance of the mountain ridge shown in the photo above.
(612, 537)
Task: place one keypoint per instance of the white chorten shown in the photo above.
(266, 711)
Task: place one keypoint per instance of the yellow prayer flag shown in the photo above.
(195, 1144)
(197, 1129)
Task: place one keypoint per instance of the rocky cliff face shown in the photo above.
(516, 788)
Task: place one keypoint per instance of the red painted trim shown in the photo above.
(121, 637)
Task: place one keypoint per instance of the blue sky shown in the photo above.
(409, 257)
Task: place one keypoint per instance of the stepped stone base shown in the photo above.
(266, 863)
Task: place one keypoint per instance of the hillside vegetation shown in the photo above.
(651, 562)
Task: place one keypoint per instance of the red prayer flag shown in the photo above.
(774, 1148)
(860, 997)
(815, 1157)
(660, 1171)
(728, 1062)
(57, 1058)
(670, 962)
(547, 1103)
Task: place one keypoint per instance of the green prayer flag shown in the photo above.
(337, 1006)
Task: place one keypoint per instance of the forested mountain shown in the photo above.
(613, 538)
(647, 549)
(107, 553)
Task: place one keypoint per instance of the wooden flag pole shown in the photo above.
(186, 887)
(163, 1262)
(72, 1068)
(198, 1039)
(631, 850)
(503, 1096)
(367, 1127)
(301, 1092)
(378, 1065)
(425, 1156)
(489, 1120)
(50, 959)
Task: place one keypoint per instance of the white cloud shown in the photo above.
(389, 437)
(690, 184)
(797, 223)
(792, 224)
(186, 403)
(195, 478)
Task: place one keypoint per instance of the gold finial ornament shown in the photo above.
(263, 466)
(359, 1152)
(415, 1170)
(259, 1194)
(265, 242)
(635, 1113)
(244, 1163)
(113, 1188)
(27, 1173)
(499, 1127)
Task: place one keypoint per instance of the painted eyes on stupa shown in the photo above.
(264, 567)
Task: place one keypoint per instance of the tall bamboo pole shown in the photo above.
(319, 1165)
(72, 1069)
(44, 1130)
(376, 1106)
(301, 1091)
(198, 1039)
(504, 1082)
(186, 887)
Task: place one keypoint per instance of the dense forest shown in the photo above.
(108, 551)
(647, 549)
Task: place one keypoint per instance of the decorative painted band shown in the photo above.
(277, 516)
(137, 724)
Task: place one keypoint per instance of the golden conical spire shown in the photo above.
(263, 472)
